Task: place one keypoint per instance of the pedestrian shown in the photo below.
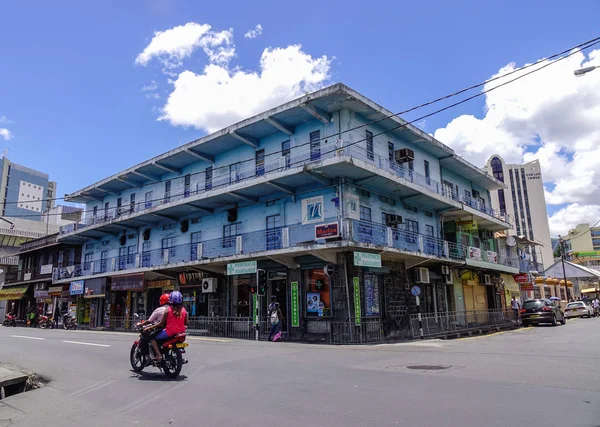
(596, 306)
(56, 314)
(515, 305)
(276, 318)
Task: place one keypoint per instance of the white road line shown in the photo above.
(87, 343)
(30, 338)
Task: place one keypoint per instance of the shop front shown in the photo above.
(155, 289)
(76, 290)
(511, 289)
(195, 300)
(42, 298)
(94, 302)
(126, 299)
(16, 300)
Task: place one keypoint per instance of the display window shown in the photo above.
(318, 293)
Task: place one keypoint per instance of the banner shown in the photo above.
(312, 210)
(357, 312)
(295, 306)
(474, 253)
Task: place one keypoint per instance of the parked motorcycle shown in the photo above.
(69, 322)
(172, 351)
(10, 320)
(46, 322)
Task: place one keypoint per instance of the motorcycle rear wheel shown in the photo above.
(136, 358)
(43, 325)
(173, 363)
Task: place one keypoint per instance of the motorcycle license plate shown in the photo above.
(181, 345)
(536, 315)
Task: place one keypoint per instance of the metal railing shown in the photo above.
(298, 157)
(9, 260)
(490, 257)
(456, 322)
(379, 234)
(367, 331)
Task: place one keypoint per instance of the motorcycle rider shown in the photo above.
(596, 306)
(155, 319)
(175, 322)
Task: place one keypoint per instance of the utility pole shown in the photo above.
(561, 242)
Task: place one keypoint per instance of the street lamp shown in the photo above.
(561, 242)
(585, 70)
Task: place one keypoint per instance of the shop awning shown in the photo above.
(12, 293)
(509, 284)
(588, 290)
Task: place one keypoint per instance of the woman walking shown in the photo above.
(276, 319)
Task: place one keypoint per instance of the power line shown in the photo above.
(585, 232)
(572, 52)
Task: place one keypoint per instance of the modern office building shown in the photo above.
(524, 200)
(583, 245)
(329, 203)
(24, 192)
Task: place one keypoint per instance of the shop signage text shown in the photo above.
(248, 267)
(295, 306)
(521, 278)
(130, 282)
(467, 225)
(526, 287)
(357, 312)
(40, 294)
(193, 278)
(474, 253)
(166, 284)
(365, 259)
(76, 288)
(46, 269)
(327, 231)
(55, 290)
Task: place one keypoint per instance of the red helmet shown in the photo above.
(164, 299)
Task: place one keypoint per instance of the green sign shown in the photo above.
(365, 259)
(295, 306)
(248, 267)
(356, 300)
(255, 308)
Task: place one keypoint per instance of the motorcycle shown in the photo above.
(10, 320)
(69, 322)
(46, 322)
(171, 349)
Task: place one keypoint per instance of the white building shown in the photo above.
(63, 215)
(524, 200)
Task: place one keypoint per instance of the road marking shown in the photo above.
(208, 339)
(30, 338)
(87, 343)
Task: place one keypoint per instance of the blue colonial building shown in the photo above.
(343, 205)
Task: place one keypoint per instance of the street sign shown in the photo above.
(357, 312)
(365, 259)
(415, 290)
(295, 306)
(329, 269)
(248, 267)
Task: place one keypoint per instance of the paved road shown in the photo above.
(540, 376)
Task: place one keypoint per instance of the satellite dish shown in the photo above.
(511, 241)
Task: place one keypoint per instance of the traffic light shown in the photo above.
(252, 289)
(261, 281)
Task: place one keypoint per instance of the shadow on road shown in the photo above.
(155, 376)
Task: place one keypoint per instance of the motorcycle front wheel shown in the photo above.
(43, 325)
(136, 358)
(173, 363)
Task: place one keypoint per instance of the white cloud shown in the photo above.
(550, 115)
(6, 134)
(152, 86)
(254, 33)
(219, 96)
(174, 45)
(569, 217)
(4, 120)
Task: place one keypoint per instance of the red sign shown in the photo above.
(327, 231)
(526, 287)
(521, 278)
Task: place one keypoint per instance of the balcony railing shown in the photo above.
(379, 234)
(39, 243)
(423, 181)
(527, 266)
(298, 157)
(491, 257)
(9, 260)
(41, 272)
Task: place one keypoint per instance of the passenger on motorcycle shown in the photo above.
(175, 321)
(151, 325)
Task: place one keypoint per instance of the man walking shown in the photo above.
(516, 306)
(596, 306)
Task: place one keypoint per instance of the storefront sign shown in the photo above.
(372, 295)
(55, 290)
(526, 287)
(95, 288)
(312, 210)
(467, 225)
(474, 253)
(357, 312)
(327, 231)
(329, 270)
(352, 203)
(191, 278)
(248, 267)
(295, 306)
(76, 288)
(40, 295)
(521, 278)
(128, 282)
(492, 256)
(164, 284)
(46, 269)
(365, 259)
(27, 276)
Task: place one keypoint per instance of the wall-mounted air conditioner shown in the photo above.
(421, 275)
(209, 285)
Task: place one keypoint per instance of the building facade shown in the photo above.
(525, 201)
(343, 205)
(582, 245)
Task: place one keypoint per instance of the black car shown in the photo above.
(536, 311)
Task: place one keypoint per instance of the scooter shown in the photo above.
(10, 320)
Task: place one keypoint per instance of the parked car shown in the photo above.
(538, 311)
(578, 309)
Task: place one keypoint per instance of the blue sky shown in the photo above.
(71, 90)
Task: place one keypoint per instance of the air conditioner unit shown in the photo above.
(421, 275)
(209, 285)
(445, 270)
(447, 279)
(404, 155)
(487, 279)
(476, 194)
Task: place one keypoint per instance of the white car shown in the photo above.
(578, 309)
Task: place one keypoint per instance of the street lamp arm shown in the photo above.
(585, 70)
